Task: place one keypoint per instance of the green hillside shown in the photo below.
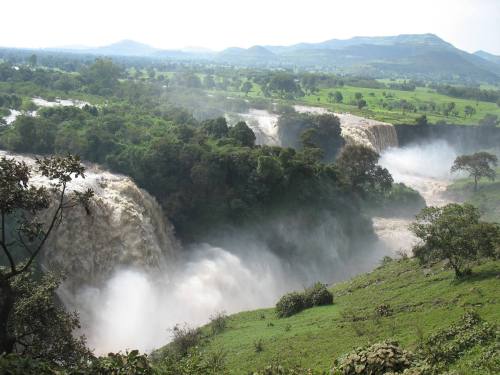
(422, 301)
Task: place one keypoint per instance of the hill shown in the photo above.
(421, 302)
(413, 55)
(488, 56)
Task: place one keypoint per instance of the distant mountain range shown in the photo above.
(413, 56)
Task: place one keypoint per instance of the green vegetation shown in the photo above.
(454, 233)
(423, 302)
(486, 197)
(478, 165)
(293, 303)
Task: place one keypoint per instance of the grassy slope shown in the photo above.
(315, 337)
(486, 198)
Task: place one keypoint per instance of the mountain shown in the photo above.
(252, 55)
(419, 56)
(122, 48)
(488, 56)
(408, 55)
(125, 48)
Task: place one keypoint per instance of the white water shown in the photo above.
(359, 130)
(264, 125)
(44, 103)
(130, 280)
(425, 168)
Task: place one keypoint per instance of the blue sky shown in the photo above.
(217, 24)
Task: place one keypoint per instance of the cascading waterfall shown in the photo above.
(359, 130)
(126, 228)
(263, 124)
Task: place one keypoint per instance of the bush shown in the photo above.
(277, 369)
(184, 338)
(383, 310)
(293, 303)
(218, 322)
(290, 304)
(318, 295)
(380, 358)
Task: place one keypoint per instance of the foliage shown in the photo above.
(41, 326)
(242, 134)
(380, 358)
(478, 165)
(218, 322)
(277, 369)
(184, 339)
(317, 295)
(294, 302)
(25, 228)
(444, 347)
(455, 233)
(358, 164)
(194, 362)
(290, 304)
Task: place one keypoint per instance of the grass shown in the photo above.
(422, 302)
(420, 96)
(486, 198)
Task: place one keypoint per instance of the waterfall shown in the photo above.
(263, 124)
(126, 228)
(359, 130)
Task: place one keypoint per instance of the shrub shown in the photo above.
(290, 304)
(295, 302)
(380, 358)
(317, 295)
(258, 345)
(184, 338)
(383, 310)
(277, 369)
(218, 322)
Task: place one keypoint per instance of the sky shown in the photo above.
(217, 24)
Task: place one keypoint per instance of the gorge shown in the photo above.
(131, 280)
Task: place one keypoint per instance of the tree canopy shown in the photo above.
(478, 165)
(456, 234)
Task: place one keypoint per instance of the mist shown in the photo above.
(137, 307)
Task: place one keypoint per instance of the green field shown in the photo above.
(374, 109)
(486, 198)
(422, 300)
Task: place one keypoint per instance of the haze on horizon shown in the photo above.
(468, 24)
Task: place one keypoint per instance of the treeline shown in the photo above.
(473, 93)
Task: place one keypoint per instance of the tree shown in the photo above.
(478, 165)
(324, 134)
(337, 96)
(421, 120)
(284, 84)
(454, 233)
(209, 82)
(361, 103)
(242, 134)
(216, 128)
(489, 120)
(246, 87)
(102, 76)
(358, 166)
(358, 96)
(25, 227)
(469, 110)
(32, 61)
